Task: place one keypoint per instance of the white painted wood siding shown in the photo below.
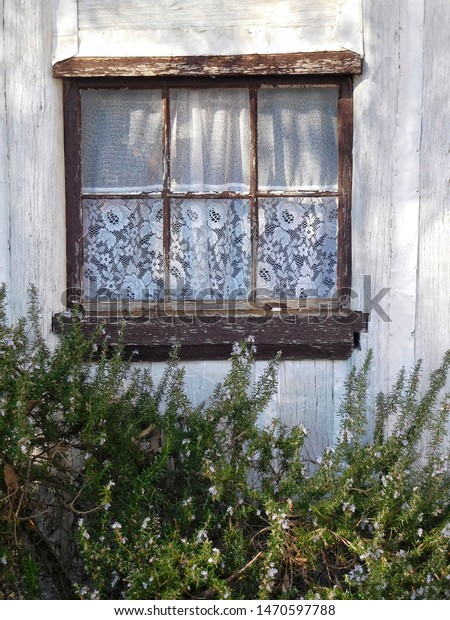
(433, 291)
(173, 27)
(35, 153)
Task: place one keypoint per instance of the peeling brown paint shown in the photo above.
(301, 63)
(212, 337)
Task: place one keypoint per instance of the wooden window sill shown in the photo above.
(299, 336)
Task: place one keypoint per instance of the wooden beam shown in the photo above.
(301, 63)
(212, 337)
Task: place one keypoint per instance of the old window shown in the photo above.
(203, 210)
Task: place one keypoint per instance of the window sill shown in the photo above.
(297, 335)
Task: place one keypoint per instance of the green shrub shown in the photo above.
(119, 488)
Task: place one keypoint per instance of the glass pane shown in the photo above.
(210, 139)
(121, 141)
(210, 249)
(297, 252)
(123, 248)
(297, 138)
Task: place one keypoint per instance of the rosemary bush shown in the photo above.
(115, 487)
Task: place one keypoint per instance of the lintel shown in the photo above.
(301, 63)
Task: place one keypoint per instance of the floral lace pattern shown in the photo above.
(123, 248)
(297, 249)
(210, 249)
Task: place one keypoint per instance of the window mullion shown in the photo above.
(165, 192)
(253, 189)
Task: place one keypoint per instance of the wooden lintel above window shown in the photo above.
(315, 336)
(301, 63)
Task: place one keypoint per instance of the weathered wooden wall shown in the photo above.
(33, 138)
(401, 159)
(215, 26)
(433, 284)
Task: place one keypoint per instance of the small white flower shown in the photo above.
(419, 532)
(86, 535)
(213, 491)
(107, 506)
(236, 348)
(80, 522)
(145, 585)
(229, 510)
(116, 526)
(145, 522)
(3, 560)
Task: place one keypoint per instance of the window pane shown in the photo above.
(123, 249)
(121, 142)
(210, 249)
(297, 252)
(297, 138)
(210, 139)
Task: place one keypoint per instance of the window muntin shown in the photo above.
(238, 192)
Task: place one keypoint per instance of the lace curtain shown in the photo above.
(297, 247)
(210, 240)
(123, 249)
(210, 249)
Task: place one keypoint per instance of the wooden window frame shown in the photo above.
(300, 328)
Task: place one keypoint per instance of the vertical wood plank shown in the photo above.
(4, 169)
(305, 396)
(433, 305)
(376, 112)
(36, 157)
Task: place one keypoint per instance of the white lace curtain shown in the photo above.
(210, 242)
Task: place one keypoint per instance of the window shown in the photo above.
(207, 209)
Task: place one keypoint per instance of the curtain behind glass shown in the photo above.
(210, 140)
(297, 138)
(121, 141)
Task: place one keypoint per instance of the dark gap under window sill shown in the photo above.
(297, 336)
